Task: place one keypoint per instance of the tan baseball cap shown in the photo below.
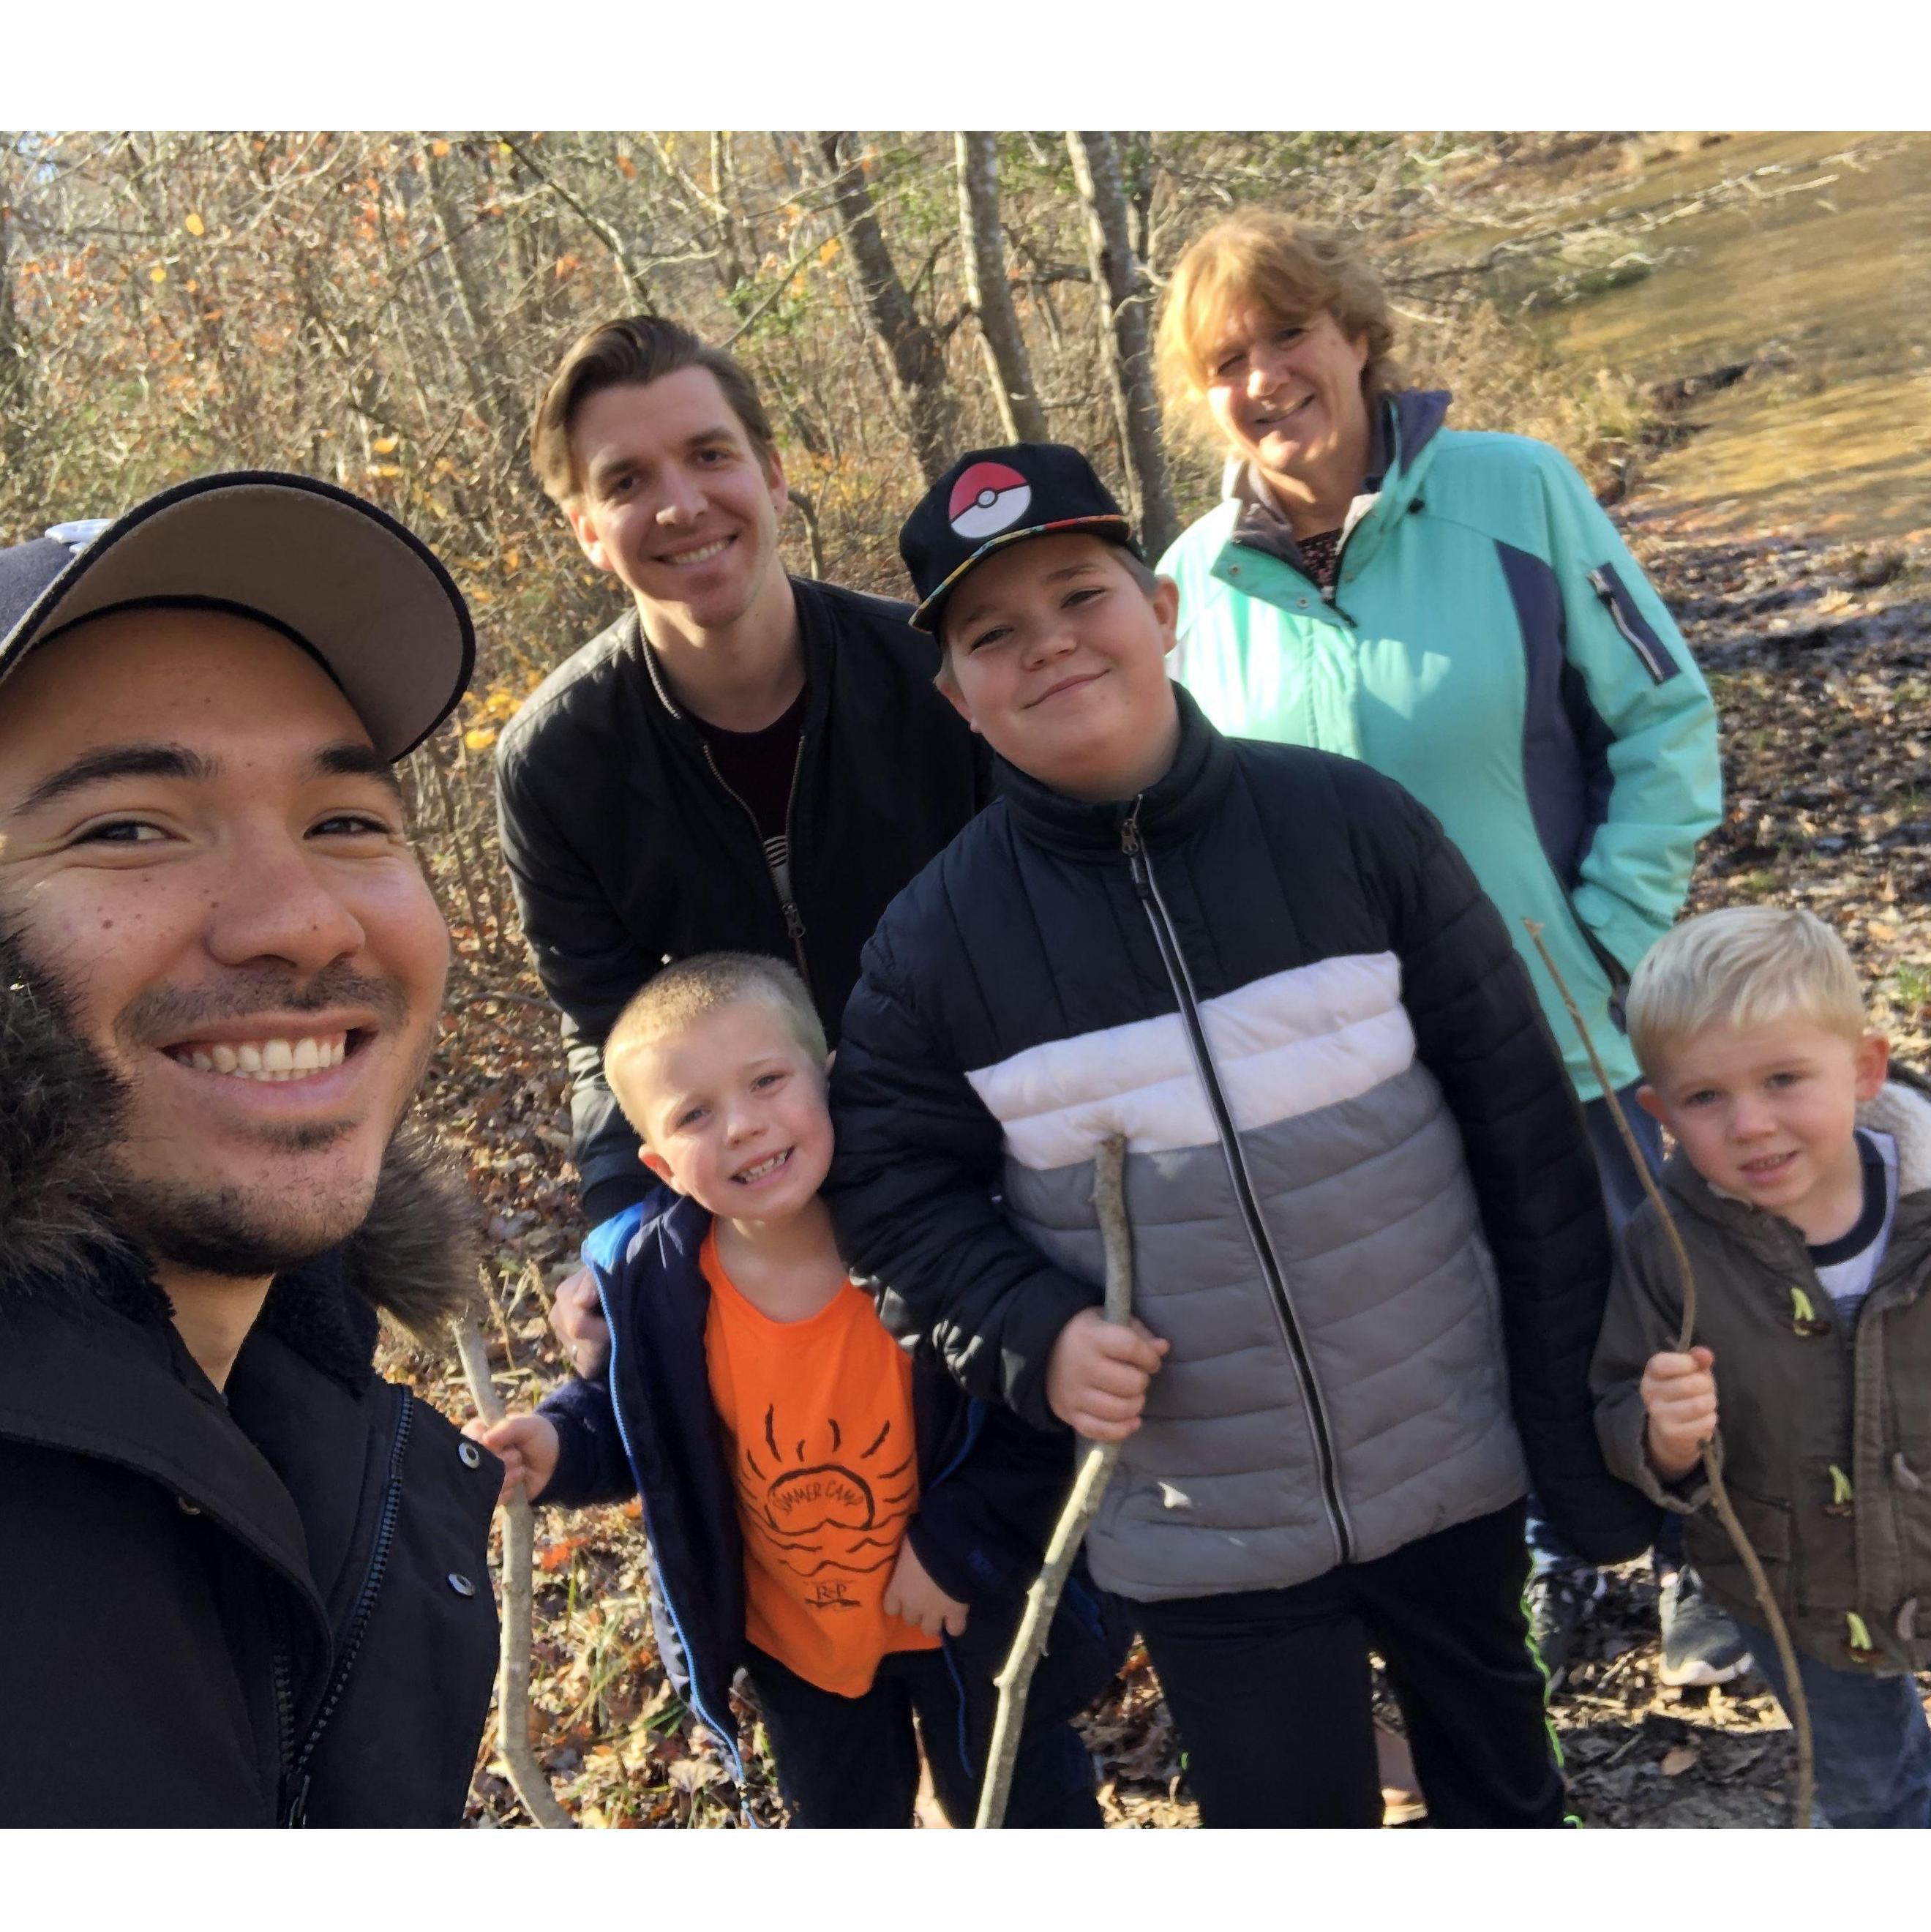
(362, 594)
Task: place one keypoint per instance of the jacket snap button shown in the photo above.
(469, 1455)
(460, 1584)
(1303, 602)
(186, 1507)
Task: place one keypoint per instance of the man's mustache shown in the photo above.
(165, 1013)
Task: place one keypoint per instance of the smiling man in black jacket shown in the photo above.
(744, 761)
(244, 1580)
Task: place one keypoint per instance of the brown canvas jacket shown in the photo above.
(1806, 1404)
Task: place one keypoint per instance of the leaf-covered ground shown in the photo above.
(1821, 660)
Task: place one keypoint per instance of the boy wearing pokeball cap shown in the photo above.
(1370, 1255)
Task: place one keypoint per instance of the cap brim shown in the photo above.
(367, 595)
(1115, 528)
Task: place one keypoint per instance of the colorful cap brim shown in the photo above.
(924, 618)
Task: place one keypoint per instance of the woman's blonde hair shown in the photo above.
(1258, 259)
(1742, 966)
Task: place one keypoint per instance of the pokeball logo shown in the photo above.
(988, 498)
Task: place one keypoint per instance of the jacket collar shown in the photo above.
(815, 639)
(1405, 429)
(412, 1257)
(1165, 811)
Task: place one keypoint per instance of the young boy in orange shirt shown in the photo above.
(844, 1526)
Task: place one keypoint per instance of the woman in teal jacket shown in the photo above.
(1452, 608)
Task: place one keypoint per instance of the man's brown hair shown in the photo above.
(637, 349)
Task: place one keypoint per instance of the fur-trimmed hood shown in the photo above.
(1902, 1110)
(414, 1258)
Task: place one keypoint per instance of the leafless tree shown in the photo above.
(1125, 297)
(989, 294)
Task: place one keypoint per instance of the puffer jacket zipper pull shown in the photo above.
(1129, 844)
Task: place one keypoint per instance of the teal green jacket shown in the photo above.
(1490, 643)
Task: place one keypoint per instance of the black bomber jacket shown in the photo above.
(627, 850)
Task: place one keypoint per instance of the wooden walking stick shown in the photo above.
(1096, 1471)
(527, 1778)
(1713, 1454)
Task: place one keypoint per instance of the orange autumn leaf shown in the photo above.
(195, 225)
(554, 1556)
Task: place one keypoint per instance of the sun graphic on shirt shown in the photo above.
(831, 1514)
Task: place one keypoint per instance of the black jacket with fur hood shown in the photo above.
(271, 1608)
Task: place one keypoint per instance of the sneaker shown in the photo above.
(1701, 1644)
(1559, 1603)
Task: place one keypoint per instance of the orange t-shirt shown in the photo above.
(818, 1423)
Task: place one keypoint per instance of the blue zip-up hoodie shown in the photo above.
(990, 1486)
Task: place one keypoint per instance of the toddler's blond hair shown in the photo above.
(675, 1000)
(1742, 966)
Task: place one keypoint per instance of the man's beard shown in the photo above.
(231, 1232)
(210, 1227)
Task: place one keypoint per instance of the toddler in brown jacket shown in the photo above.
(1801, 1188)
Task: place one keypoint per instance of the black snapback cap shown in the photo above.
(993, 497)
(364, 596)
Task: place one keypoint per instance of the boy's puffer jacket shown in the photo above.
(1825, 1425)
(990, 1488)
(1493, 646)
(1365, 1212)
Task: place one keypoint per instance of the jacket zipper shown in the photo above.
(284, 1697)
(1606, 589)
(794, 921)
(725, 1734)
(1140, 863)
(358, 1625)
(1331, 596)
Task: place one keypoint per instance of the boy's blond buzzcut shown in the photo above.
(1742, 966)
(678, 997)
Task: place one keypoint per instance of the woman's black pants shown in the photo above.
(1270, 1689)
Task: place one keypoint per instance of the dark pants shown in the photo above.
(1622, 1186)
(1622, 1194)
(845, 1762)
(1270, 1688)
(1871, 1735)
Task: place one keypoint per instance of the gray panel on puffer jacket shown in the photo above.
(1373, 1218)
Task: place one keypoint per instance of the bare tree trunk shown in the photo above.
(1126, 298)
(1136, 171)
(990, 294)
(489, 382)
(16, 364)
(917, 361)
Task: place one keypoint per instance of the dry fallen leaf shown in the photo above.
(1677, 1762)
